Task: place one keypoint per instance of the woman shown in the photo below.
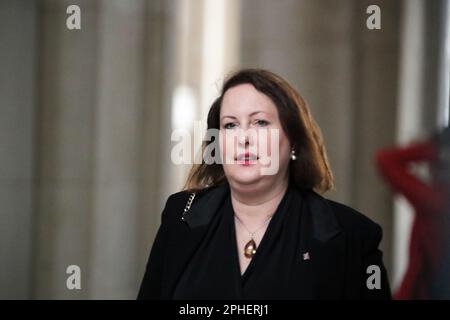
(239, 232)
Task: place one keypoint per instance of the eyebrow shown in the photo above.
(251, 114)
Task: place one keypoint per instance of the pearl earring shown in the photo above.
(293, 156)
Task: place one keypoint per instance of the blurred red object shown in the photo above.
(428, 200)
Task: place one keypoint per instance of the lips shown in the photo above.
(247, 157)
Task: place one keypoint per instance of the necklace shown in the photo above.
(250, 247)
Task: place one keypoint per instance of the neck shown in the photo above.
(252, 207)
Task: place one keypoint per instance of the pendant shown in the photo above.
(250, 249)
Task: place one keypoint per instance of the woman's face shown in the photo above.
(255, 150)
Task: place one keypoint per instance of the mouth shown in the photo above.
(246, 158)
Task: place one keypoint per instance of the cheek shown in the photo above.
(285, 150)
(284, 147)
(266, 142)
(227, 144)
(276, 138)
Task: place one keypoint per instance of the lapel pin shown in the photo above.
(306, 256)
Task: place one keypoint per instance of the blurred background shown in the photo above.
(86, 117)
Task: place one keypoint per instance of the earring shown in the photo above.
(293, 156)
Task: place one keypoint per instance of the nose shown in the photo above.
(244, 138)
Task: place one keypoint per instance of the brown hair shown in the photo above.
(310, 170)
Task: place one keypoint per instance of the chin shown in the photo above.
(246, 176)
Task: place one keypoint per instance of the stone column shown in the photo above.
(118, 149)
(100, 121)
(18, 50)
(64, 148)
(375, 93)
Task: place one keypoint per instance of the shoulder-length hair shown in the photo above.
(310, 170)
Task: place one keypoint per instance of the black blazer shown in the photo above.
(343, 241)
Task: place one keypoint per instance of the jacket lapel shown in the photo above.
(324, 223)
(186, 235)
(320, 248)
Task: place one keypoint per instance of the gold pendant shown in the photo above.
(250, 249)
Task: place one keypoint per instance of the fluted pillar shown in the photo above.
(18, 48)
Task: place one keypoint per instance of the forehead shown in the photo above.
(245, 99)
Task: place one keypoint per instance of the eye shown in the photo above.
(229, 125)
(261, 123)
